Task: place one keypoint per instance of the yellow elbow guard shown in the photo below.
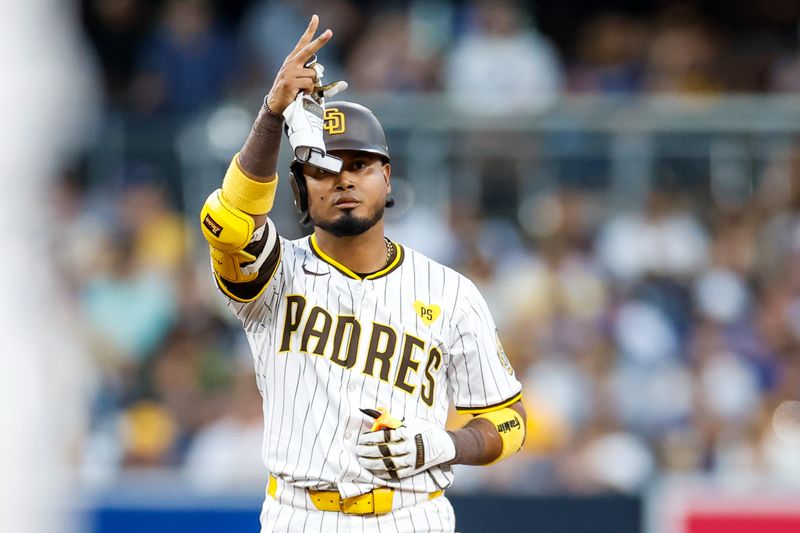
(227, 222)
(228, 231)
(225, 227)
(510, 427)
(245, 193)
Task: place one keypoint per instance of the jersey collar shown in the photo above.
(391, 267)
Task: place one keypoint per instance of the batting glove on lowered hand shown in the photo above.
(409, 449)
(305, 119)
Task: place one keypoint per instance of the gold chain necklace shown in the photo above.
(389, 250)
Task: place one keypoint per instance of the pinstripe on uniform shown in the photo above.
(445, 350)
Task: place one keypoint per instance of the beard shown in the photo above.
(350, 225)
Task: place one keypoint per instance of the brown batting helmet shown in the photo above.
(347, 126)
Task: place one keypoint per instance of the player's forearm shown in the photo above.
(259, 156)
(233, 213)
(479, 443)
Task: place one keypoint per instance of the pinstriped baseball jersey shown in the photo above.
(327, 342)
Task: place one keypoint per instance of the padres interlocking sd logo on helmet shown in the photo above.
(334, 122)
(351, 126)
(347, 126)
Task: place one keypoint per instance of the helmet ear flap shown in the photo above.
(298, 183)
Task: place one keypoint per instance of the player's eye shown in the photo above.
(359, 164)
(318, 174)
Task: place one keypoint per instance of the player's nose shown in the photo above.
(344, 181)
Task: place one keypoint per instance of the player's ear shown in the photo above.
(387, 174)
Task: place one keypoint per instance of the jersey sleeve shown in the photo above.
(479, 374)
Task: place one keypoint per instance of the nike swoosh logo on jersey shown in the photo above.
(311, 273)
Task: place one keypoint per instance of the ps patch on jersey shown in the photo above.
(501, 353)
(323, 344)
(428, 313)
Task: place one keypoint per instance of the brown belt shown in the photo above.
(377, 501)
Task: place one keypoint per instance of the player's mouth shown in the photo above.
(346, 202)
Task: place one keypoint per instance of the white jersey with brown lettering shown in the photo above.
(327, 342)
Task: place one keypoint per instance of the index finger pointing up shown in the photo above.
(311, 29)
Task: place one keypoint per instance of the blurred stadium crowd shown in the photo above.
(654, 341)
(162, 56)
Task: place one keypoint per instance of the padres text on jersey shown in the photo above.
(327, 342)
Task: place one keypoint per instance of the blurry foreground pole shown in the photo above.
(43, 103)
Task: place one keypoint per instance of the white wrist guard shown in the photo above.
(305, 118)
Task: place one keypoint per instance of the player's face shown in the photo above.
(351, 202)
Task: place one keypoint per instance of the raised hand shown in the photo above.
(294, 76)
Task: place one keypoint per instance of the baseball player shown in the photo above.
(359, 343)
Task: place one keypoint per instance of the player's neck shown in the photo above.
(362, 253)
